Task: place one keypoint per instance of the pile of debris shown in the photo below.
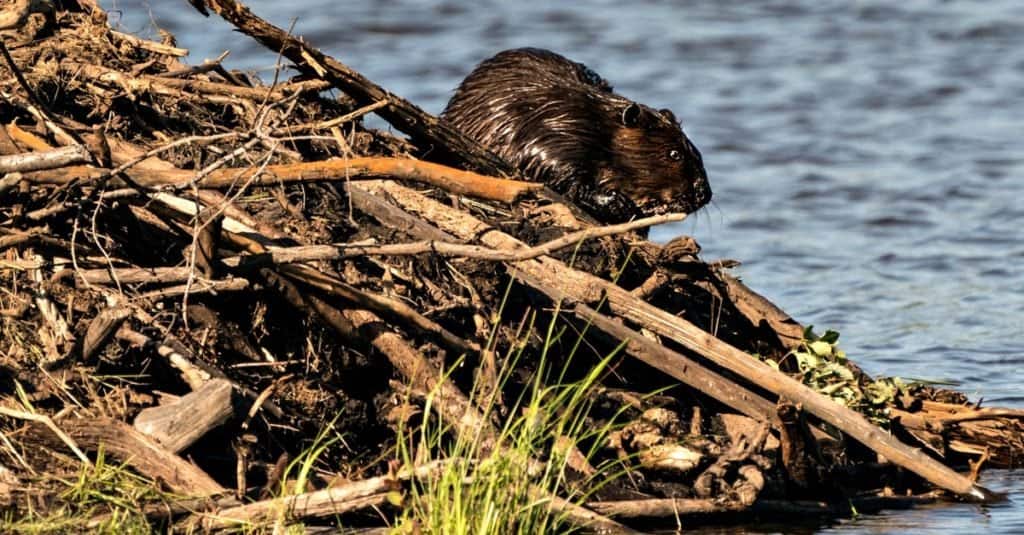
(201, 273)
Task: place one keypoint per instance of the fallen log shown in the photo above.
(120, 441)
(587, 288)
(178, 424)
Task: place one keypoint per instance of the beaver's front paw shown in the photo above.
(609, 206)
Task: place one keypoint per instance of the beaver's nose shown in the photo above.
(702, 191)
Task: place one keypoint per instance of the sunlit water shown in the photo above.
(866, 156)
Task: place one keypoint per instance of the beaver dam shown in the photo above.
(229, 305)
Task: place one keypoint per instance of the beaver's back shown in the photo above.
(557, 121)
(549, 116)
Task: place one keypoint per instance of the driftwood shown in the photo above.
(674, 508)
(177, 425)
(937, 424)
(322, 503)
(102, 329)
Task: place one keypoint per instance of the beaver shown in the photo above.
(559, 122)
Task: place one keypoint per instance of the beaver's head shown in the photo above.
(654, 162)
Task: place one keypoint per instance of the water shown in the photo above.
(865, 156)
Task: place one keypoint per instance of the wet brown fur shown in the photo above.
(559, 122)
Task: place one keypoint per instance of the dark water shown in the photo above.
(866, 156)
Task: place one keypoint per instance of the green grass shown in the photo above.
(505, 490)
(501, 491)
(103, 498)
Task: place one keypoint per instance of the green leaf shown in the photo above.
(809, 333)
(820, 348)
(830, 337)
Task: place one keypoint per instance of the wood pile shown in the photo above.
(201, 271)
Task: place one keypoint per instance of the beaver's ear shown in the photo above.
(667, 113)
(631, 115)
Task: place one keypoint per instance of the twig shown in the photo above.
(306, 253)
(151, 46)
(591, 289)
(45, 420)
(194, 376)
(164, 85)
(326, 125)
(409, 118)
(234, 284)
(193, 371)
(379, 304)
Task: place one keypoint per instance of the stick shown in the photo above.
(161, 85)
(194, 371)
(101, 330)
(317, 504)
(590, 289)
(48, 422)
(679, 366)
(151, 46)
(305, 253)
(672, 508)
(379, 304)
(581, 516)
(51, 159)
(448, 178)
(428, 130)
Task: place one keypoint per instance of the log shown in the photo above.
(669, 508)
(664, 507)
(180, 423)
(319, 504)
(587, 288)
(120, 441)
(676, 365)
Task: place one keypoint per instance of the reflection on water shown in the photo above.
(865, 156)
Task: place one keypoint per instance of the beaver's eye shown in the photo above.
(675, 155)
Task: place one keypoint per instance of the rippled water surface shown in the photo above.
(866, 156)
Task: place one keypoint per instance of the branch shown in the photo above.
(588, 288)
(425, 128)
(306, 253)
(120, 441)
(451, 179)
(38, 161)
